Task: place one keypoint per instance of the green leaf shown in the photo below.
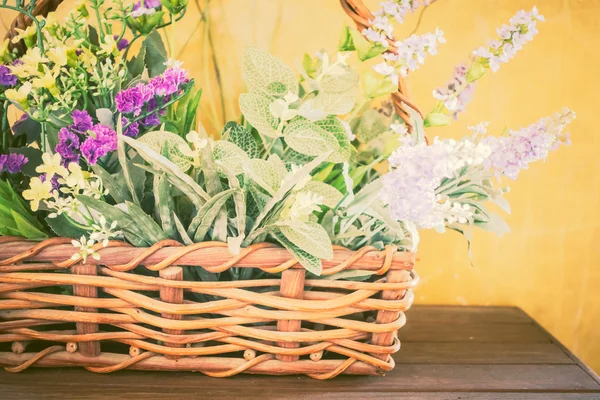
(203, 221)
(286, 186)
(264, 174)
(364, 48)
(334, 126)
(63, 228)
(156, 54)
(119, 192)
(331, 196)
(376, 86)
(156, 140)
(242, 137)
(181, 230)
(130, 228)
(475, 72)
(255, 108)
(122, 155)
(418, 128)
(346, 43)
(26, 228)
(309, 237)
(266, 74)
(308, 261)
(187, 106)
(145, 222)
(135, 66)
(230, 155)
(369, 126)
(437, 119)
(164, 204)
(308, 138)
(172, 171)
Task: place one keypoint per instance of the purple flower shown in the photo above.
(82, 122)
(6, 77)
(131, 130)
(122, 44)
(455, 96)
(68, 144)
(54, 181)
(152, 3)
(130, 101)
(514, 152)
(169, 82)
(101, 141)
(3, 158)
(15, 162)
(151, 120)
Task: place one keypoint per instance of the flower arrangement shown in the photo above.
(109, 146)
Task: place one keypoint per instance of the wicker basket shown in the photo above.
(269, 326)
(134, 309)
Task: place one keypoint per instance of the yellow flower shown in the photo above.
(37, 192)
(34, 57)
(58, 55)
(20, 95)
(76, 177)
(51, 165)
(28, 35)
(5, 52)
(88, 58)
(109, 46)
(47, 81)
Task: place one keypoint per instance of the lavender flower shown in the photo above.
(132, 130)
(54, 181)
(13, 162)
(101, 141)
(131, 100)
(144, 7)
(6, 77)
(169, 82)
(121, 44)
(82, 122)
(410, 54)
(148, 100)
(68, 144)
(515, 151)
(454, 95)
(521, 30)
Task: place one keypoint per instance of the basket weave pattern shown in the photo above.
(270, 326)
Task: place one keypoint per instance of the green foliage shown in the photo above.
(15, 217)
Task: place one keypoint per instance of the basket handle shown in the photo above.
(22, 21)
(362, 17)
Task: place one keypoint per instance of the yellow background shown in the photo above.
(549, 264)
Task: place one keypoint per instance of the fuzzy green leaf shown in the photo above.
(309, 237)
(255, 108)
(309, 262)
(264, 73)
(307, 138)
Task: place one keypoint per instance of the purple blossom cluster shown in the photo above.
(144, 103)
(102, 140)
(6, 77)
(12, 163)
(144, 7)
(514, 152)
(522, 29)
(454, 95)
(409, 188)
(82, 137)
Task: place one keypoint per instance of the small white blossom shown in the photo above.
(85, 249)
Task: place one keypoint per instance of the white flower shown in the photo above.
(103, 231)
(85, 249)
(479, 129)
(304, 204)
(400, 129)
(173, 63)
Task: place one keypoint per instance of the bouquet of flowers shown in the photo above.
(109, 145)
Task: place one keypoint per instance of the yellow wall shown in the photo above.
(549, 264)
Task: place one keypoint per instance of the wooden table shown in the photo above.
(447, 353)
